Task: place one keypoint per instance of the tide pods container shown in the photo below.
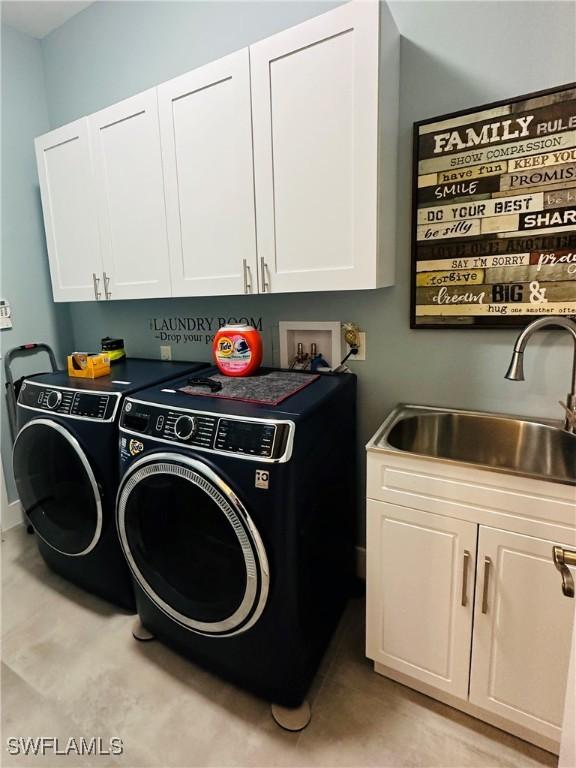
(237, 350)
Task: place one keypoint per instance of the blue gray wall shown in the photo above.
(25, 275)
(454, 55)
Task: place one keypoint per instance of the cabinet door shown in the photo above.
(205, 120)
(420, 587)
(130, 192)
(522, 632)
(69, 205)
(315, 110)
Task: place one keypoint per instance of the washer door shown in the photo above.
(191, 545)
(57, 487)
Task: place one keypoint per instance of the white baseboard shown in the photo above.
(361, 563)
(12, 515)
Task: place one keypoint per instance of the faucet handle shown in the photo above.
(570, 415)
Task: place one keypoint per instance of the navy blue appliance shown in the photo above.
(66, 469)
(237, 520)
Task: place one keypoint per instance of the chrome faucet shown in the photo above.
(516, 370)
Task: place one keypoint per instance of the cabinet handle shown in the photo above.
(247, 278)
(96, 280)
(487, 564)
(106, 284)
(465, 564)
(264, 270)
(562, 559)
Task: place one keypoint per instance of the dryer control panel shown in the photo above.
(97, 406)
(260, 439)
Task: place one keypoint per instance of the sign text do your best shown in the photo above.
(480, 210)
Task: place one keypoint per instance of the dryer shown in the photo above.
(238, 522)
(66, 469)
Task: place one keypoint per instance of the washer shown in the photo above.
(238, 522)
(66, 469)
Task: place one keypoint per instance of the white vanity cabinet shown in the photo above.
(67, 189)
(272, 169)
(464, 602)
(125, 140)
(324, 153)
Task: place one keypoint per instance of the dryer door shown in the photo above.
(57, 487)
(191, 544)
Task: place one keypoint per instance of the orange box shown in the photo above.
(85, 366)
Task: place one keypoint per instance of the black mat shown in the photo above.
(266, 389)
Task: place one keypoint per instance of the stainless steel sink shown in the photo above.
(510, 444)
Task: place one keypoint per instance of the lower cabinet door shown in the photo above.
(522, 632)
(420, 588)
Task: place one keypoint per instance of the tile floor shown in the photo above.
(71, 668)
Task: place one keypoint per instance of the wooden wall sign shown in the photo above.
(494, 213)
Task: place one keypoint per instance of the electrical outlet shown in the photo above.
(361, 349)
(165, 352)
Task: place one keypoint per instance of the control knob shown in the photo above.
(185, 427)
(53, 399)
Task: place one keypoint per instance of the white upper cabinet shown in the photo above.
(130, 193)
(272, 169)
(69, 204)
(205, 121)
(315, 95)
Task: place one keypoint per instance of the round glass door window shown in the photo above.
(57, 487)
(191, 545)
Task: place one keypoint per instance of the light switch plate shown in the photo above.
(5, 314)
(165, 352)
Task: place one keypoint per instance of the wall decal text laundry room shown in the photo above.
(189, 329)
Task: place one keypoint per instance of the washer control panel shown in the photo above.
(255, 439)
(246, 437)
(67, 402)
